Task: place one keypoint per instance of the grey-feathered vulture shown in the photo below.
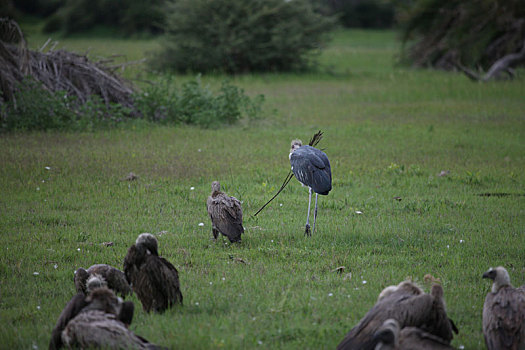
(99, 325)
(409, 306)
(154, 279)
(225, 214)
(390, 337)
(504, 313)
(115, 279)
(98, 298)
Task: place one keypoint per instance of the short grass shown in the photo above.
(389, 132)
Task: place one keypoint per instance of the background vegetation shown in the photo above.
(473, 33)
(389, 132)
(241, 36)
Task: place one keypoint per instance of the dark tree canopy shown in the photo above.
(361, 13)
(241, 35)
(474, 33)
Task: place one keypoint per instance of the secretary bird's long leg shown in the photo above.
(307, 228)
(315, 213)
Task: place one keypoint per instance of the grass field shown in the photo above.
(389, 132)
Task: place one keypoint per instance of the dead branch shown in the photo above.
(504, 64)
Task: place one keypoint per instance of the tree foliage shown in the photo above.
(241, 35)
(473, 33)
(126, 16)
(361, 13)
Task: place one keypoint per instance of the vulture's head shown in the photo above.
(295, 145)
(95, 281)
(215, 186)
(387, 335)
(499, 275)
(148, 241)
(103, 299)
(386, 292)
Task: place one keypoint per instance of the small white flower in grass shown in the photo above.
(36, 273)
(199, 150)
(224, 279)
(201, 224)
(358, 212)
(364, 282)
(211, 283)
(38, 188)
(330, 294)
(38, 307)
(192, 188)
(461, 347)
(461, 241)
(448, 246)
(259, 342)
(253, 318)
(43, 180)
(280, 204)
(271, 241)
(35, 347)
(78, 249)
(55, 266)
(47, 168)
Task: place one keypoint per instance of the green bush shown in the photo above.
(196, 104)
(39, 109)
(162, 102)
(238, 36)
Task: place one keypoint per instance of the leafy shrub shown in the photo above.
(35, 108)
(238, 36)
(194, 103)
(38, 109)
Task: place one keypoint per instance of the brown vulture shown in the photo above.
(99, 298)
(409, 306)
(225, 214)
(390, 337)
(504, 313)
(154, 279)
(115, 279)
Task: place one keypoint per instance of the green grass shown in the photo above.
(389, 131)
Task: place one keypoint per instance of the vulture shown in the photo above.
(504, 313)
(154, 279)
(98, 297)
(390, 337)
(409, 306)
(115, 279)
(225, 214)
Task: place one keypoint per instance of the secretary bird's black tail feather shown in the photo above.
(286, 180)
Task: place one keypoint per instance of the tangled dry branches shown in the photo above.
(56, 70)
